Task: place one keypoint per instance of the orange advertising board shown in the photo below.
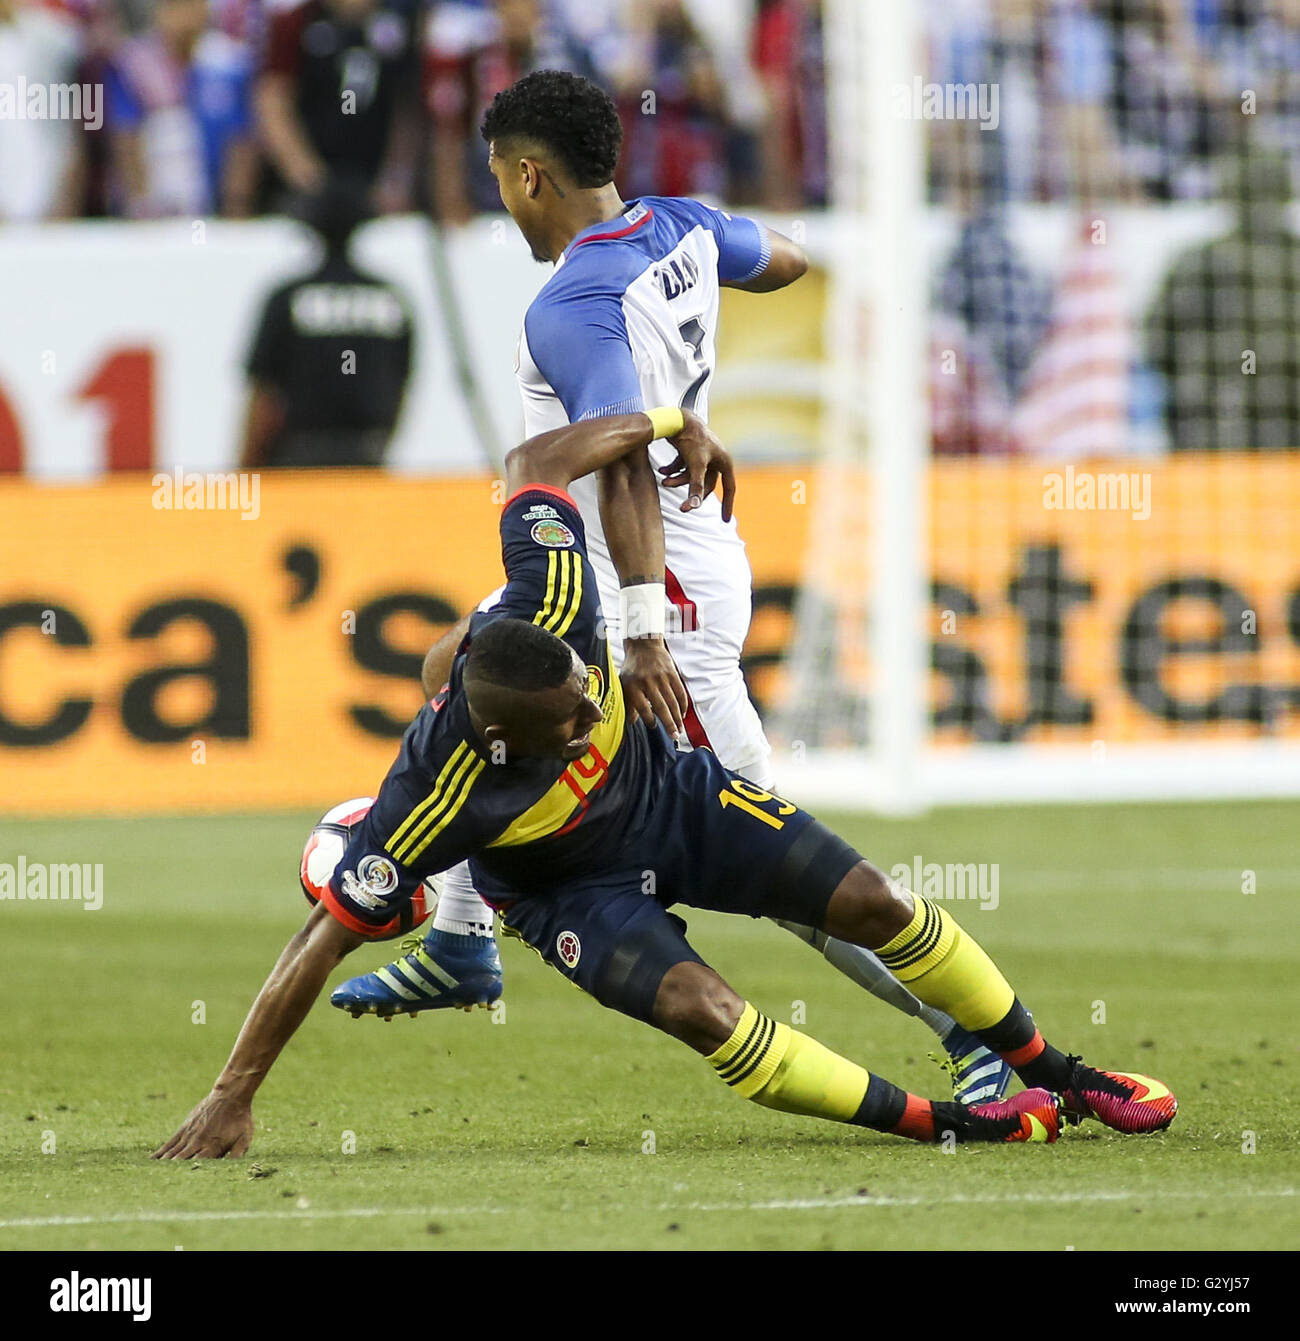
(201, 657)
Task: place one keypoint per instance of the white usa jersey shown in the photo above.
(628, 322)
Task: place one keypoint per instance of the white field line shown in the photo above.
(1130, 880)
(802, 1204)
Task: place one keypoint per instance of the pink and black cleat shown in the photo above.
(1123, 1102)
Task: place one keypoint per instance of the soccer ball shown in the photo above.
(325, 846)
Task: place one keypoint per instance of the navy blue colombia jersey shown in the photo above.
(529, 824)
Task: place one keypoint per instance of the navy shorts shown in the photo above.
(714, 840)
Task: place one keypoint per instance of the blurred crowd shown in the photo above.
(222, 106)
(229, 107)
(239, 107)
(1125, 100)
(1037, 349)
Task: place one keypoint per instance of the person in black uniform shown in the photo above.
(332, 354)
(564, 802)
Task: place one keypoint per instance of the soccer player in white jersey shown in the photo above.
(629, 320)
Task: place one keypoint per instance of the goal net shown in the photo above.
(1056, 549)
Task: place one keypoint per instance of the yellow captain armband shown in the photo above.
(667, 421)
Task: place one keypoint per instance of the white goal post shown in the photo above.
(853, 729)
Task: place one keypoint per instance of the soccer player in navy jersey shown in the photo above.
(629, 319)
(532, 769)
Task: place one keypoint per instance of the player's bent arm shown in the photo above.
(789, 262)
(565, 454)
(438, 659)
(222, 1124)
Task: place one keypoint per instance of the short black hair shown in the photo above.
(517, 654)
(567, 114)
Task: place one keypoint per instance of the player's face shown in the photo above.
(523, 208)
(554, 723)
(570, 714)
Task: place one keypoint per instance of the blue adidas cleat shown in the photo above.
(440, 971)
(978, 1075)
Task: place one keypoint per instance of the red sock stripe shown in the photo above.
(1023, 1056)
(917, 1120)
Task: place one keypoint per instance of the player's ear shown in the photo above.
(495, 737)
(532, 178)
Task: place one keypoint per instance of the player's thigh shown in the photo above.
(609, 937)
(707, 656)
(733, 731)
(711, 585)
(729, 845)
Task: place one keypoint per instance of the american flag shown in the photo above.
(1075, 400)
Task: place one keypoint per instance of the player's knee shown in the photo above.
(868, 908)
(695, 1005)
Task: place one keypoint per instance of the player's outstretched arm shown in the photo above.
(789, 262)
(559, 457)
(565, 454)
(222, 1124)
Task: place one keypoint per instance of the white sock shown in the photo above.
(867, 971)
(460, 910)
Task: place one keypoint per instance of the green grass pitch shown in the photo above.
(565, 1125)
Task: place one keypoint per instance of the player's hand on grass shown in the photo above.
(651, 684)
(219, 1126)
(701, 462)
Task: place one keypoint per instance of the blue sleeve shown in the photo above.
(744, 248)
(579, 344)
(123, 110)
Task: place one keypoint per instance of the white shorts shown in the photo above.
(709, 593)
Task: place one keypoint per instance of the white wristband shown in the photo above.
(641, 610)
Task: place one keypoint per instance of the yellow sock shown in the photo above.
(945, 967)
(780, 1068)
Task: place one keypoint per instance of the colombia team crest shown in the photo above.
(569, 948)
(552, 533)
